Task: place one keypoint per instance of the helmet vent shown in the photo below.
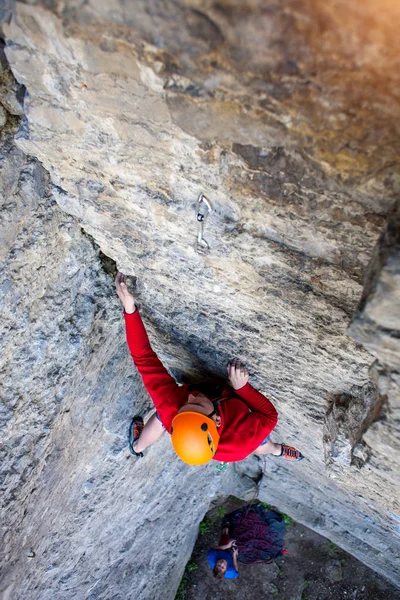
(204, 427)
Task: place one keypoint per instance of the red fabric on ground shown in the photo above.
(247, 417)
(224, 539)
(258, 531)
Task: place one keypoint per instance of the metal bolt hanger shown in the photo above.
(203, 209)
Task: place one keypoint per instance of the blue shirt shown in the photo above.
(214, 555)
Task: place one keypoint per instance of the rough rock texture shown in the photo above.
(76, 522)
(285, 116)
(376, 325)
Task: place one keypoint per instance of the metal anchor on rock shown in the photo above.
(203, 209)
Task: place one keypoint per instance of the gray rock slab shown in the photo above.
(128, 115)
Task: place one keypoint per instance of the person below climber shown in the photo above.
(206, 420)
(223, 558)
(257, 531)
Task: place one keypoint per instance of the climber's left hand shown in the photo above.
(237, 373)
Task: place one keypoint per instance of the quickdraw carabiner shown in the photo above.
(203, 209)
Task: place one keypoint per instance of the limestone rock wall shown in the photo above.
(78, 518)
(287, 122)
(376, 326)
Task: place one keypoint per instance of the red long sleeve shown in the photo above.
(258, 403)
(247, 417)
(166, 394)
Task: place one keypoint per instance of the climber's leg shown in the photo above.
(269, 447)
(279, 450)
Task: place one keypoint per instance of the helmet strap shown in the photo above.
(215, 411)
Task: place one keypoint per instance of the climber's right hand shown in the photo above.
(124, 294)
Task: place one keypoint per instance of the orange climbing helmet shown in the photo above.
(194, 437)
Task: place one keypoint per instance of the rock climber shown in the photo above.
(207, 420)
(223, 558)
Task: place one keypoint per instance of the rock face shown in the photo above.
(78, 519)
(287, 122)
(376, 325)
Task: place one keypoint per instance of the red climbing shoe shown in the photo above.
(290, 453)
(135, 429)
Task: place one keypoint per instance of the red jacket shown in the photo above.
(247, 417)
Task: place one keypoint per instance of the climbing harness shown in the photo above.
(203, 209)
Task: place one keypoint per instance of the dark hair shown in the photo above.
(218, 574)
(209, 387)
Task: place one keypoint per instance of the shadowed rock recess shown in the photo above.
(114, 116)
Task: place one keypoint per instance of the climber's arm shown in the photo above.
(235, 562)
(155, 376)
(225, 546)
(158, 382)
(262, 409)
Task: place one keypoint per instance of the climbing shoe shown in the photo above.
(289, 453)
(135, 429)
